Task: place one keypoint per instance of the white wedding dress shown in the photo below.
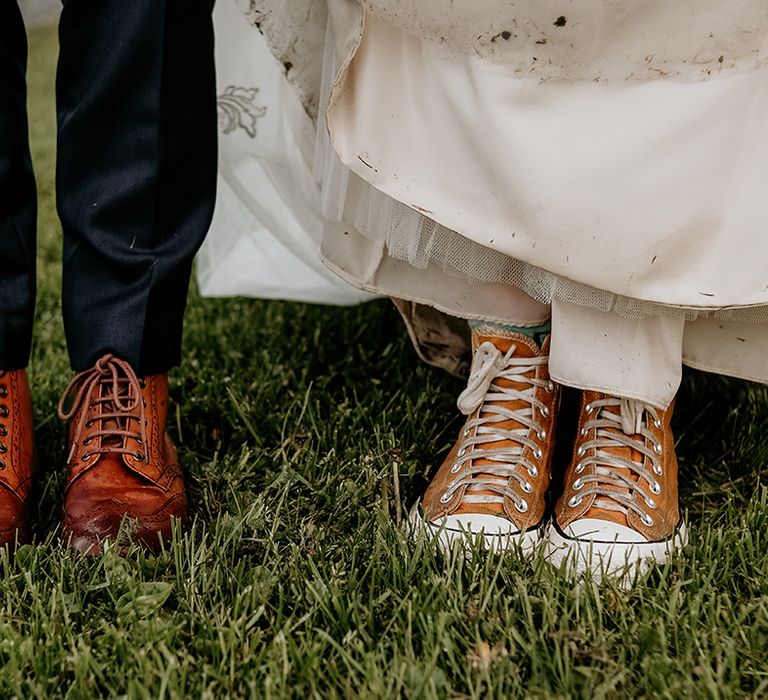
(611, 162)
(267, 227)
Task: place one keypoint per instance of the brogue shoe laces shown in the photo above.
(108, 394)
(487, 399)
(4, 414)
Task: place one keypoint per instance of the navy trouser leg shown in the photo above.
(18, 205)
(136, 172)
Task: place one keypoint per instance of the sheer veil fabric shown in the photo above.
(610, 160)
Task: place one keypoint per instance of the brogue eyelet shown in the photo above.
(3, 448)
(580, 452)
(655, 488)
(647, 520)
(589, 408)
(527, 488)
(584, 432)
(538, 453)
(657, 470)
(455, 468)
(533, 472)
(2, 465)
(86, 456)
(4, 411)
(580, 467)
(577, 485)
(545, 412)
(542, 434)
(657, 423)
(140, 457)
(3, 431)
(87, 441)
(574, 501)
(658, 449)
(522, 507)
(466, 432)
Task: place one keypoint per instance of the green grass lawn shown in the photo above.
(306, 433)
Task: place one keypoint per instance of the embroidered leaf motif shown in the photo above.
(238, 110)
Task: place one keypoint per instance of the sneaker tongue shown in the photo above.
(524, 347)
(504, 340)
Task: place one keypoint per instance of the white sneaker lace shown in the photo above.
(615, 490)
(488, 399)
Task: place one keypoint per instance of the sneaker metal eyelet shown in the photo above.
(658, 449)
(657, 470)
(445, 497)
(580, 452)
(140, 457)
(655, 488)
(580, 467)
(550, 386)
(538, 453)
(466, 432)
(650, 503)
(576, 486)
(589, 408)
(527, 488)
(657, 423)
(522, 506)
(533, 472)
(544, 411)
(86, 456)
(542, 434)
(574, 501)
(461, 452)
(455, 468)
(584, 432)
(3, 448)
(647, 520)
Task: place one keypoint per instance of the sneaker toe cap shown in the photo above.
(594, 530)
(478, 523)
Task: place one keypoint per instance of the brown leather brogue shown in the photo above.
(494, 482)
(123, 466)
(17, 457)
(619, 508)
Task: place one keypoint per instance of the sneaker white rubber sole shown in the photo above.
(446, 533)
(598, 559)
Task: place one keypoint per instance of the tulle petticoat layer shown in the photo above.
(418, 240)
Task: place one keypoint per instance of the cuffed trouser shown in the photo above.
(136, 176)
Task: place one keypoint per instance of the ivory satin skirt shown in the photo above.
(636, 208)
